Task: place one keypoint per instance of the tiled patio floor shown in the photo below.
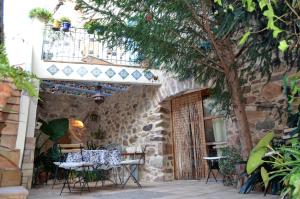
(165, 190)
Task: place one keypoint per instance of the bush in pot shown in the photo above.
(41, 14)
(66, 23)
(228, 164)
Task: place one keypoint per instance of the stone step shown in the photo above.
(8, 128)
(10, 177)
(17, 192)
(8, 141)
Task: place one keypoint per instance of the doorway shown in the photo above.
(188, 137)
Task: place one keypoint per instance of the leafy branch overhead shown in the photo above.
(199, 40)
(282, 18)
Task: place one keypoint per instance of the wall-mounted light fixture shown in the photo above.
(77, 124)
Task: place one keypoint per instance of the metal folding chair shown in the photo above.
(132, 165)
(78, 167)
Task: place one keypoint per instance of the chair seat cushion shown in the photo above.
(57, 163)
(74, 165)
(131, 162)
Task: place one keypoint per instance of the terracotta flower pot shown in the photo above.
(5, 94)
(43, 177)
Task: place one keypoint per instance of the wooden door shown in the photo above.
(189, 137)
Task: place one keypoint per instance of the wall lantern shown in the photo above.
(77, 124)
(98, 97)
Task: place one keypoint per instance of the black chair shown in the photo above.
(78, 167)
(213, 164)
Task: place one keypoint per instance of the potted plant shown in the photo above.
(51, 132)
(20, 78)
(41, 14)
(65, 23)
(56, 24)
(228, 164)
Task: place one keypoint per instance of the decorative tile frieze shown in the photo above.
(123, 73)
(110, 73)
(96, 72)
(52, 69)
(68, 70)
(148, 74)
(82, 71)
(136, 75)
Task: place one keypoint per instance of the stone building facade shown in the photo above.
(143, 115)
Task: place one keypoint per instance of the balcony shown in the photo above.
(78, 56)
(78, 46)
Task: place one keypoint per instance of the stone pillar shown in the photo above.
(28, 160)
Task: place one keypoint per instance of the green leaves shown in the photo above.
(276, 31)
(23, 80)
(41, 14)
(56, 128)
(265, 141)
(244, 38)
(255, 159)
(258, 152)
(283, 46)
(262, 4)
(265, 176)
(219, 2)
(249, 5)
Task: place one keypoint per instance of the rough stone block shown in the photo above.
(27, 172)
(11, 177)
(8, 128)
(271, 91)
(8, 141)
(27, 166)
(30, 143)
(156, 161)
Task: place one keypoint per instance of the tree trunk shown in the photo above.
(227, 60)
(224, 50)
(240, 112)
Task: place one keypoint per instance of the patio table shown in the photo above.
(213, 163)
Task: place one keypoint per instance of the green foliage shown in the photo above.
(174, 37)
(23, 80)
(286, 163)
(56, 128)
(244, 38)
(265, 176)
(96, 175)
(41, 14)
(258, 152)
(65, 19)
(227, 164)
(280, 165)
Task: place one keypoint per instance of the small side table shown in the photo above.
(213, 163)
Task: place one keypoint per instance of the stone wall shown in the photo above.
(142, 115)
(266, 106)
(134, 118)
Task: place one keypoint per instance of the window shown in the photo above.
(215, 128)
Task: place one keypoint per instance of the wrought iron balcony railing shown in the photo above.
(78, 46)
